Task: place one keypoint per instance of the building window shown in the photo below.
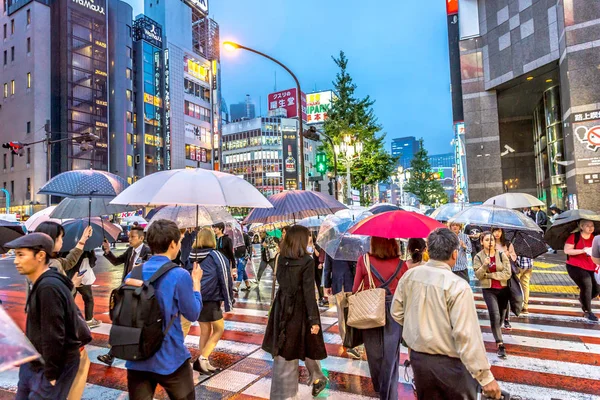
(128, 52)
(12, 160)
(129, 117)
(128, 73)
(12, 26)
(12, 53)
(28, 45)
(128, 94)
(28, 80)
(129, 138)
(129, 161)
(5, 31)
(5, 56)
(28, 129)
(12, 188)
(28, 17)
(28, 188)
(4, 165)
(128, 30)
(12, 87)
(28, 155)
(5, 90)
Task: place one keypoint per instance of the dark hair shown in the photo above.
(383, 248)
(441, 243)
(52, 229)
(502, 239)
(295, 242)
(219, 225)
(37, 250)
(136, 224)
(160, 235)
(285, 229)
(139, 230)
(415, 248)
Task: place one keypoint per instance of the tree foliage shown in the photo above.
(422, 182)
(354, 116)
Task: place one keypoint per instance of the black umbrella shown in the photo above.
(566, 223)
(9, 231)
(527, 243)
(384, 207)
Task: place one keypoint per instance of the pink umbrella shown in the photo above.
(396, 225)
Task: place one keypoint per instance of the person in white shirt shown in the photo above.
(441, 328)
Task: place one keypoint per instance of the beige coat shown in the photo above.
(502, 274)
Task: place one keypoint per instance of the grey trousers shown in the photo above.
(284, 385)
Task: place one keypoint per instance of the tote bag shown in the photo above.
(366, 308)
(89, 277)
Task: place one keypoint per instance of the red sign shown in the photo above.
(451, 6)
(287, 100)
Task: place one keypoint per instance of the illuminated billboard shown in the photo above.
(318, 106)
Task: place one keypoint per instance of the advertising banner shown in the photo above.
(318, 106)
(587, 143)
(288, 100)
(289, 140)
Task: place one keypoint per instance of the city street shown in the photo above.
(552, 353)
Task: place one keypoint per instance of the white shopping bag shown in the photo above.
(88, 277)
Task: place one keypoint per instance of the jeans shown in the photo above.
(588, 288)
(179, 385)
(88, 300)
(241, 269)
(497, 305)
(263, 266)
(33, 385)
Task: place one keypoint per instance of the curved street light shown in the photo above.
(230, 46)
(348, 151)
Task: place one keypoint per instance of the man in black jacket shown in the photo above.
(225, 246)
(51, 322)
(136, 253)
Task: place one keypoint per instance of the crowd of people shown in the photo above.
(195, 273)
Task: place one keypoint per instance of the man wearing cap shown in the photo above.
(51, 322)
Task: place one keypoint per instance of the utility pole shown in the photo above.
(48, 155)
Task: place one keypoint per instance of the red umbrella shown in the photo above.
(396, 225)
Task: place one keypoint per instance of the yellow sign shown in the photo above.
(99, 43)
(102, 124)
(154, 100)
(101, 103)
(152, 140)
(197, 70)
(101, 73)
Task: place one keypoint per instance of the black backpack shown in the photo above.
(137, 320)
(577, 236)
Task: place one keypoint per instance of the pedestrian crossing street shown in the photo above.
(552, 354)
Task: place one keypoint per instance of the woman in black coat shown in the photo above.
(294, 329)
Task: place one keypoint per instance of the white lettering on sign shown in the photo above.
(151, 33)
(89, 4)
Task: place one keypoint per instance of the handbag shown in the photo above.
(366, 308)
(516, 291)
(88, 277)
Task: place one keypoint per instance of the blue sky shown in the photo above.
(397, 51)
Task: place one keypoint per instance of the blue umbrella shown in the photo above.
(75, 227)
(84, 183)
(293, 205)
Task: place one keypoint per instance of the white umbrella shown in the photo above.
(312, 222)
(514, 200)
(39, 217)
(190, 187)
(135, 218)
(193, 216)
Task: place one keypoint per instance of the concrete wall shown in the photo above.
(27, 105)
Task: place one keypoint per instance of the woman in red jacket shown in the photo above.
(580, 266)
(382, 344)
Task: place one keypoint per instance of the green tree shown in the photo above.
(354, 116)
(422, 182)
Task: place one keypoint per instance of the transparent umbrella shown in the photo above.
(447, 211)
(495, 216)
(337, 243)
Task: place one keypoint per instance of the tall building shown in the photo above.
(531, 86)
(192, 74)
(242, 110)
(405, 148)
(446, 160)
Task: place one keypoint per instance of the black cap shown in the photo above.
(33, 240)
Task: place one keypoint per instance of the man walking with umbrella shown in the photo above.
(136, 253)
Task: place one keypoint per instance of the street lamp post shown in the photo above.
(348, 151)
(233, 46)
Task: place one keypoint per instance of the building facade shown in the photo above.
(531, 89)
(446, 160)
(405, 149)
(242, 110)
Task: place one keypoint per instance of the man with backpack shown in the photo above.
(160, 358)
(54, 325)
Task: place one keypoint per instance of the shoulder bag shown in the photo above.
(366, 308)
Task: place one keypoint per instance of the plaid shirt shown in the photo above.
(525, 262)
(462, 262)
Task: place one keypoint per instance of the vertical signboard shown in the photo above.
(167, 112)
(288, 100)
(454, 53)
(289, 141)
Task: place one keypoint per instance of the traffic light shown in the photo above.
(311, 133)
(15, 147)
(330, 187)
(321, 162)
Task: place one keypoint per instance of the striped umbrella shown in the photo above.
(295, 204)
